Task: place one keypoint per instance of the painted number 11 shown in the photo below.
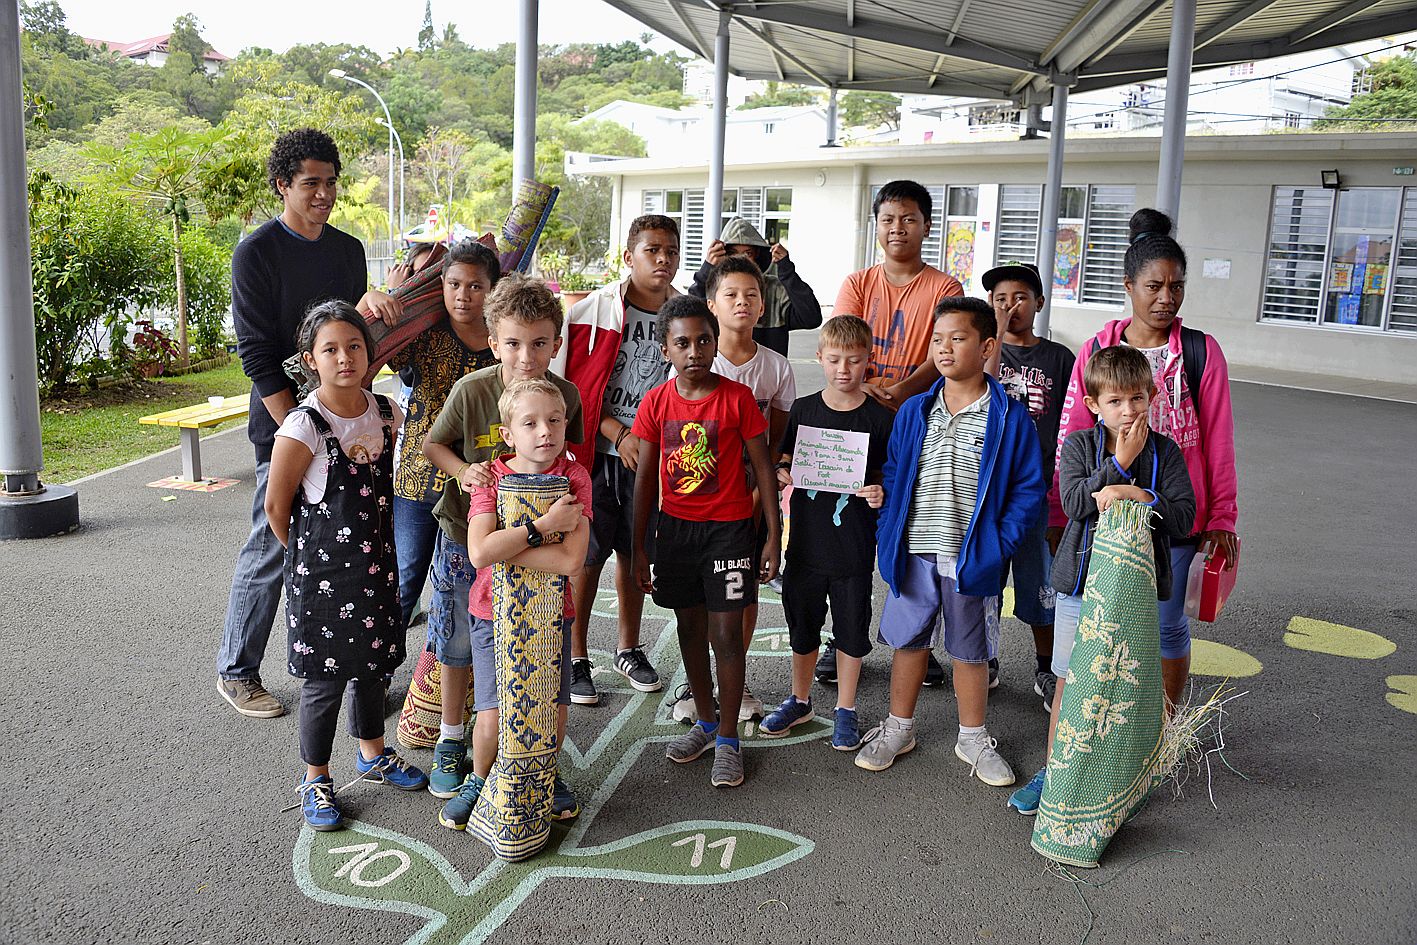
(698, 840)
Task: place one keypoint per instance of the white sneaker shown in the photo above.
(684, 709)
(751, 707)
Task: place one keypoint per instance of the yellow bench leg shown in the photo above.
(191, 454)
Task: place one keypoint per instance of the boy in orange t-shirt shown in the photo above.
(897, 296)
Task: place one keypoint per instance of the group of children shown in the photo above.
(995, 452)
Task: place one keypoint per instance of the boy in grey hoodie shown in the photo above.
(788, 302)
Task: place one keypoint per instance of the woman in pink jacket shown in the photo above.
(1191, 406)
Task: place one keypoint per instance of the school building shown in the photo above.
(1303, 247)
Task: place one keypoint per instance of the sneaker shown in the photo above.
(1046, 685)
(564, 805)
(317, 803)
(846, 733)
(390, 768)
(684, 709)
(780, 720)
(994, 674)
(751, 707)
(884, 744)
(636, 667)
(826, 664)
(727, 766)
(934, 673)
(985, 763)
(775, 585)
(583, 691)
(1027, 798)
(250, 698)
(449, 760)
(456, 812)
(690, 746)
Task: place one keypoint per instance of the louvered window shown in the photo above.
(1298, 242)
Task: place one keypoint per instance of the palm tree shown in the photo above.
(165, 170)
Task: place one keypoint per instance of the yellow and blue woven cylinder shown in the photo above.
(513, 812)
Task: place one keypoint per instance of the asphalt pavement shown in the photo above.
(140, 808)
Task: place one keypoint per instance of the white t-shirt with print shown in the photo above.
(361, 438)
(767, 374)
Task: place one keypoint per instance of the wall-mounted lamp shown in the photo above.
(1330, 179)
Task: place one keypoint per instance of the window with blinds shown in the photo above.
(1092, 238)
(1109, 207)
(1402, 316)
(1298, 244)
(768, 209)
(1020, 206)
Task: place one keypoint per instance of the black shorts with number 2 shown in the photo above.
(705, 564)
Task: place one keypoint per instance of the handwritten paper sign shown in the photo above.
(829, 460)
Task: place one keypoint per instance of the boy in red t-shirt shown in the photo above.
(695, 431)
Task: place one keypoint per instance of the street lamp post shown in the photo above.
(398, 140)
(389, 119)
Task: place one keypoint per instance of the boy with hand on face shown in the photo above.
(964, 483)
(1035, 372)
(788, 302)
(612, 354)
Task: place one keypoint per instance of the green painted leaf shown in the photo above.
(701, 851)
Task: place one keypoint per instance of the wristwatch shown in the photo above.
(534, 538)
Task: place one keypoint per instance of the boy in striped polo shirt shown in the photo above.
(964, 483)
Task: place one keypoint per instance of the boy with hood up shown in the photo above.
(788, 302)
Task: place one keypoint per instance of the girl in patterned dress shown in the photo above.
(329, 501)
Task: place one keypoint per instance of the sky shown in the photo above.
(382, 25)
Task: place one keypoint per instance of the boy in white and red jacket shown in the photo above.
(612, 353)
(1191, 406)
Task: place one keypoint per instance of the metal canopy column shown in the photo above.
(524, 101)
(1178, 92)
(831, 120)
(27, 508)
(1052, 200)
(713, 198)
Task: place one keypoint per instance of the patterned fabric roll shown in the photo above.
(422, 712)
(513, 813)
(1107, 754)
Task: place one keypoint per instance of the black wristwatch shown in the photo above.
(534, 538)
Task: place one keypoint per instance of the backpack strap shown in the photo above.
(1193, 355)
(386, 410)
(322, 426)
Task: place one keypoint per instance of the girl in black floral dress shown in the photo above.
(329, 501)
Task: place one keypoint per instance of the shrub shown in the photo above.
(207, 266)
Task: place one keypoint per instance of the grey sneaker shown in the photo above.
(1045, 684)
(583, 691)
(250, 698)
(884, 744)
(690, 746)
(727, 766)
(984, 762)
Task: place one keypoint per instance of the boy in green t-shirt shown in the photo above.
(524, 327)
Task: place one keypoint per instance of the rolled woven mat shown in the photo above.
(1108, 752)
(422, 711)
(522, 228)
(513, 812)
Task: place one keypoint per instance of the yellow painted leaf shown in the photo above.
(1209, 658)
(1320, 636)
(1403, 693)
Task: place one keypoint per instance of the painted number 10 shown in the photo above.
(365, 856)
(697, 860)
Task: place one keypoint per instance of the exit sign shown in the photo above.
(1402, 171)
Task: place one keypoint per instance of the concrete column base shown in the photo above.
(55, 511)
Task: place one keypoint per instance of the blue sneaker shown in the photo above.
(846, 733)
(1027, 798)
(456, 812)
(390, 768)
(564, 805)
(317, 803)
(784, 717)
(449, 760)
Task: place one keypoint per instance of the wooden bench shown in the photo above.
(191, 420)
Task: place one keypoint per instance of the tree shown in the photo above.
(186, 37)
(870, 109)
(184, 75)
(136, 113)
(782, 93)
(425, 33)
(45, 23)
(164, 170)
(1392, 98)
(441, 159)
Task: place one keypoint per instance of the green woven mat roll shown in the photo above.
(1105, 757)
(513, 813)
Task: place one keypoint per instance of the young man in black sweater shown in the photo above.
(287, 265)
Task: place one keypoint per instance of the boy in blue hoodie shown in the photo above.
(964, 484)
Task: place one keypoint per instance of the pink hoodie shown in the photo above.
(1206, 437)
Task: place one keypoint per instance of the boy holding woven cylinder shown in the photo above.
(1120, 458)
